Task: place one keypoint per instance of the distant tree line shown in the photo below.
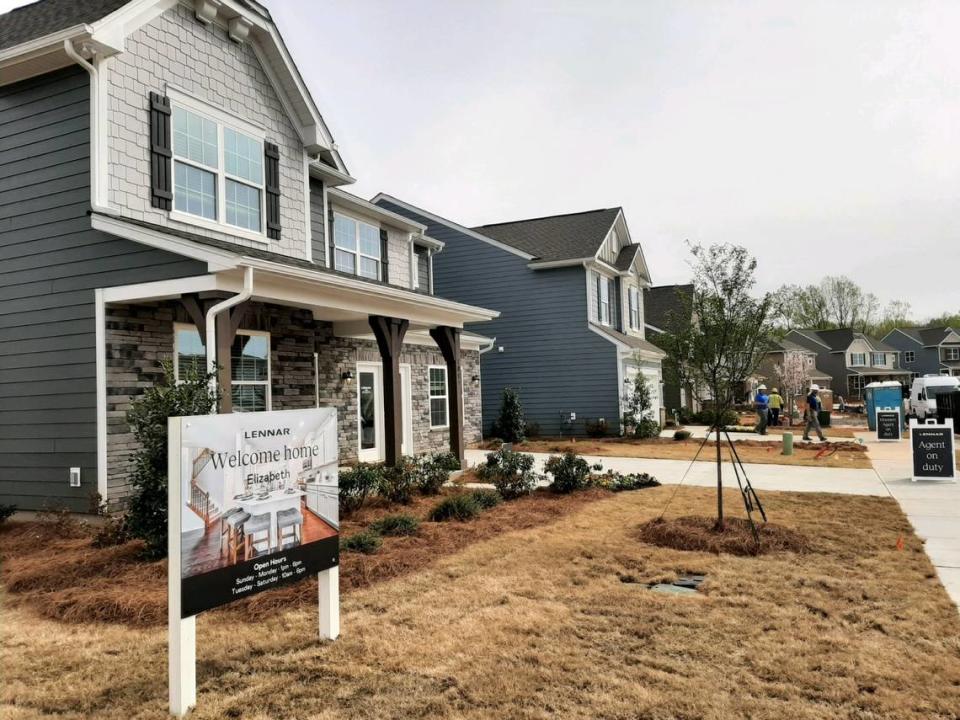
(838, 302)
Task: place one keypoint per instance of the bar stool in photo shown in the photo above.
(234, 522)
(253, 527)
(292, 520)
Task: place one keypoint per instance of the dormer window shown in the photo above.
(357, 247)
(604, 295)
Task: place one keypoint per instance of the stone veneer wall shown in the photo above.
(139, 337)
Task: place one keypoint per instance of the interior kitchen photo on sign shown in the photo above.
(254, 492)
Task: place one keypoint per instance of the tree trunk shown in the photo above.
(719, 476)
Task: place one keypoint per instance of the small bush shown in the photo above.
(570, 472)
(395, 525)
(706, 417)
(397, 483)
(486, 499)
(597, 428)
(510, 472)
(434, 470)
(510, 425)
(356, 484)
(682, 435)
(365, 542)
(6, 511)
(456, 507)
(114, 531)
(647, 429)
(633, 481)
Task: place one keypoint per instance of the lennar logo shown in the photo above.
(275, 432)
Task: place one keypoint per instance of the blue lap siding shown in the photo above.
(549, 355)
(51, 261)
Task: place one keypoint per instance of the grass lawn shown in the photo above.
(832, 455)
(555, 620)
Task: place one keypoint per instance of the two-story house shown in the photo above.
(664, 306)
(927, 351)
(852, 359)
(771, 367)
(570, 337)
(170, 191)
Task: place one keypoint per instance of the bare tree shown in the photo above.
(725, 338)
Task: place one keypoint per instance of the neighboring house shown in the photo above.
(777, 351)
(927, 351)
(852, 359)
(661, 305)
(570, 337)
(159, 157)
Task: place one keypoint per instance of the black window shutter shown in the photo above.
(617, 302)
(596, 287)
(161, 186)
(330, 245)
(271, 157)
(384, 257)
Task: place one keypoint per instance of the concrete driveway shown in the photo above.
(932, 507)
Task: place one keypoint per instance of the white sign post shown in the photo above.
(253, 504)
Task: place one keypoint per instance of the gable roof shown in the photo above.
(933, 336)
(839, 339)
(556, 237)
(785, 345)
(41, 18)
(661, 301)
(628, 253)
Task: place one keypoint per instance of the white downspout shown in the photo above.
(211, 340)
(91, 66)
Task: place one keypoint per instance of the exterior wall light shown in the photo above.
(475, 379)
(347, 375)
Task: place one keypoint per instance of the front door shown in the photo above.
(370, 412)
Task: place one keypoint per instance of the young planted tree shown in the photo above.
(794, 378)
(147, 515)
(639, 410)
(725, 339)
(510, 426)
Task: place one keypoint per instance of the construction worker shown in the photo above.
(813, 414)
(775, 403)
(761, 402)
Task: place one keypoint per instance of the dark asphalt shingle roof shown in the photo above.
(933, 336)
(840, 339)
(558, 237)
(48, 16)
(663, 301)
(628, 253)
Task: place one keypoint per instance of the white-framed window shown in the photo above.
(951, 353)
(357, 247)
(633, 302)
(878, 358)
(218, 170)
(437, 375)
(249, 364)
(909, 356)
(858, 359)
(857, 383)
(603, 299)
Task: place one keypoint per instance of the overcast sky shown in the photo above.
(822, 136)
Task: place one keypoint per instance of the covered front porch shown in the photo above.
(397, 365)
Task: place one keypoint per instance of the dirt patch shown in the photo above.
(700, 534)
(849, 455)
(53, 568)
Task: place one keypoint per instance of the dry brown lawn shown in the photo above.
(555, 621)
(831, 455)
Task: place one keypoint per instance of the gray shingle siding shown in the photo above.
(50, 263)
(550, 356)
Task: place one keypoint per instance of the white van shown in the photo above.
(924, 391)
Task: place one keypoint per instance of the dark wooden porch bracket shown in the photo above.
(448, 340)
(389, 333)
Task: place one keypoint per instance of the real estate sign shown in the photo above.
(253, 503)
(889, 424)
(933, 451)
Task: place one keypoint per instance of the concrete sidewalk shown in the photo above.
(932, 507)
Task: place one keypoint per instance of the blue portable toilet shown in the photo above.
(886, 394)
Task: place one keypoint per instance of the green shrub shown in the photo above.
(6, 511)
(597, 428)
(681, 435)
(510, 472)
(706, 417)
(510, 426)
(192, 395)
(394, 525)
(434, 470)
(456, 507)
(356, 483)
(633, 481)
(397, 483)
(486, 499)
(114, 531)
(647, 429)
(365, 542)
(570, 472)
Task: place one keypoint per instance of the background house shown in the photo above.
(570, 336)
(662, 306)
(927, 351)
(852, 359)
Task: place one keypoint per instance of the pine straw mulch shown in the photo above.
(700, 534)
(53, 568)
